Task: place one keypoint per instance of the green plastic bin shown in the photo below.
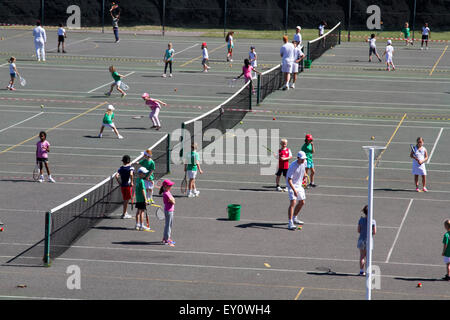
(234, 212)
(308, 64)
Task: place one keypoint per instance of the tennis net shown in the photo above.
(317, 47)
(69, 221)
(268, 82)
(223, 117)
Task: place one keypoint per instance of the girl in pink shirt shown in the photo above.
(42, 150)
(169, 207)
(247, 73)
(155, 105)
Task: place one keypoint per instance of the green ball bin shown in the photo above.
(234, 212)
(308, 64)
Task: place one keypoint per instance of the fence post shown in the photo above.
(164, 18)
(103, 16)
(349, 17)
(286, 18)
(225, 18)
(258, 90)
(250, 93)
(183, 127)
(42, 13)
(47, 239)
(414, 20)
(168, 153)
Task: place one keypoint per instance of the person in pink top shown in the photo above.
(169, 207)
(247, 73)
(42, 150)
(155, 105)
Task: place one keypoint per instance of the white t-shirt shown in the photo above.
(296, 172)
(11, 68)
(321, 29)
(372, 43)
(39, 33)
(425, 31)
(298, 53)
(287, 52)
(230, 40)
(252, 56)
(298, 38)
(61, 31)
(205, 53)
(389, 51)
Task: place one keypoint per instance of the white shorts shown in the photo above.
(388, 58)
(149, 184)
(295, 67)
(109, 125)
(118, 83)
(300, 194)
(287, 66)
(446, 259)
(191, 174)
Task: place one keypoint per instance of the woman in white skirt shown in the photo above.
(419, 156)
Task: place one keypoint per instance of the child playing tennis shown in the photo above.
(141, 200)
(406, 34)
(149, 164)
(446, 249)
(419, 156)
(362, 240)
(230, 45)
(61, 37)
(192, 166)
(389, 52)
(284, 155)
(322, 26)
(373, 47)
(426, 35)
(126, 174)
(169, 207)
(115, 24)
(42, 150)
(168, 59)
(13, 73)
(247, 73)
(252, 57)
(117, 81)
(155, 106)
(205, 57)
(309, 149)
(108, 121)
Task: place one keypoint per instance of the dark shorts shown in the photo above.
(281, 171)
(13, 75)
(41, 159)
(126, 193)
(141, 205)
(60, 38)
(372, 51)
(425, 37)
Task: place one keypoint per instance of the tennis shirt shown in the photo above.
(298, 38)
(168, 206)
(363, 224)
(125, 174)
(446, 241)
(12, 66)
(307, 149)
(41, 149)
(425, 31)
(108, 118)
(148, 164)
(115, 76)
(169, 54)
(192, 161)
(140, 189)
(287, 52)
(406, 32)
(284, 153)
(296, 172)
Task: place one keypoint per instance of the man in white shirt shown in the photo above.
(294, 179)
(298, 36)
(287, 61)
(40, 38)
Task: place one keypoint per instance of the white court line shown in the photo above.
(186, 49)
(70, 43)
(434, 146)
(398, 231)
(110, 82)
(369, 91)
(21, 121)
(375, 79)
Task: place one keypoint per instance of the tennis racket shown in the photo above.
(23, 82)
(413, 149)
(36, 171)
(124, 86)
(132, 199)
(270, 150)
(306, 181)
(232, 82)
(158, 212)
(183, 186)
(146, 218)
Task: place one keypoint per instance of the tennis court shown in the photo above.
(342, 101)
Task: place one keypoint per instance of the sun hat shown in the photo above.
(389, 41)
(298, 27)
(309, 137)
(110, 107)
(143, 170)
(168, 183)
(301, 155)
(145, 95)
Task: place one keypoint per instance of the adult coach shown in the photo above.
(294, 179)
(40, 38)
(287, 61)
(115, 15)
(298, 36)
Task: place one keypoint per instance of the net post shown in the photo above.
(46, 258)
(183, 130)
(258, 90)
(339, 42)
(164, 18)
(224, 18)
(103, 16)
(308, 53)
(168, 153)
(250, 93)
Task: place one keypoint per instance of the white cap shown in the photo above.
(298, 27)
(301, 155)
(143, 170)
(110, 107)
(389, 41)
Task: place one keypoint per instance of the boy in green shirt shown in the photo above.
(141, 200)
(446, 250)
(108, 121)
(149, 164)
(117, 81)
(406, 34)
(191, 167)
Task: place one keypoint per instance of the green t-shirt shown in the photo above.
(115, 76)
(446, 241)
(108, 118)
(192, 161)
(148, 164)
(406, 32)
(140, 186)
(307, 148)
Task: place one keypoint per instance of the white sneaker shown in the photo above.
(145, 228)
(279, 188)
(126, 216)
(426, 48)
(291, 225)
(191, 195)
(421, 48)
(119, 137)
(138, 227)
(293, 86)
(164, 75)
(100, 135)
(170, 75)
(286, 87)
(196, 193)
(50, 179)
(298, 221)
(41, 179)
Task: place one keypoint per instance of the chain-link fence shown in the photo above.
(232, 14)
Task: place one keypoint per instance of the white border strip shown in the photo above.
(434, 146)
(398, 231)
(326, 34)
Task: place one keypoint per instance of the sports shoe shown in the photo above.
(107, 94)
(421, 48)
(196, 193)
(313, 185)
(100, 135)
(138, 227)
(286, 87)
(285, 190)
(120, 137)
(64, 51)
(50, 179)
(163, 75)
(41, 178)
(427, 48)
(425, 189)
(170, 75)
(298, 221)
(59, 51)
(293, 85)
(191, 195)
(362, 273)
(279, 188)
(171, 241)
(145, 228)
(123, 95)
(12, 88)
(126, 216)
(291, 225)
(417, 189)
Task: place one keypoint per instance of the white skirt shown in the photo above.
(418, 170)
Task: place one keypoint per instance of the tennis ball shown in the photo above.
(42, 106)
(419, 285)
(85, 199)
(241, 122)
(1, 229)
(274, 118)
(372, 137)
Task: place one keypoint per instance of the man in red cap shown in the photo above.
(309, 149)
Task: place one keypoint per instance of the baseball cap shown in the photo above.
(142, 170)
(301, 155)
(168, 183)
(309, 137)
(204, 44)
(145, 95)
(110, 107)
(298, 27)
(148, 152)
(389, 41)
